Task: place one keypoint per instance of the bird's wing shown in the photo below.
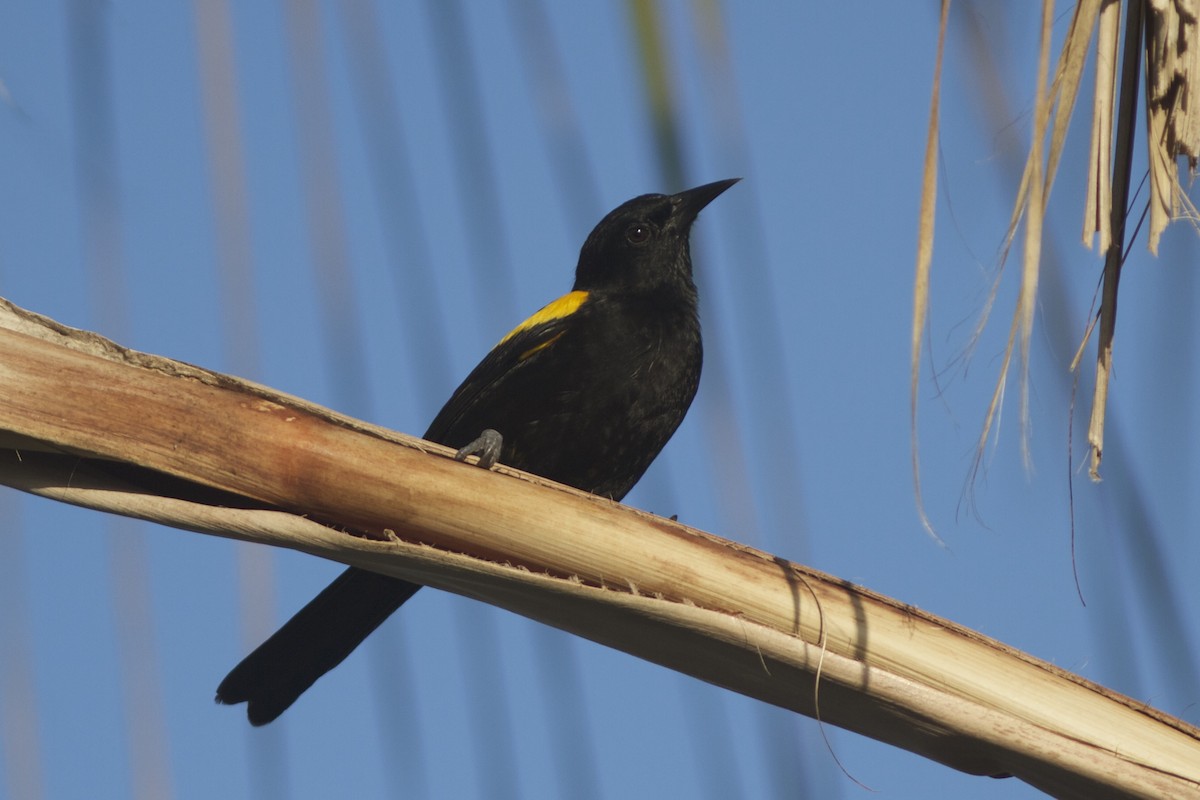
(517, 349)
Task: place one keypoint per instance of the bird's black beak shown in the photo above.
(687, 204)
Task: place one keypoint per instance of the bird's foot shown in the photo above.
(487, 447)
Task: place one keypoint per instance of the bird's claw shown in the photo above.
(487, 447)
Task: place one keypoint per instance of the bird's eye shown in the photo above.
(638, 233)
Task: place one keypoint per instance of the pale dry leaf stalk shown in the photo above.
(723, 612)
(924, 260)
(1124, 128)
(1039, 193)
(1096, 218)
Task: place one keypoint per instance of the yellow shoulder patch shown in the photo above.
(564, 306)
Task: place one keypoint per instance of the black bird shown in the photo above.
(585, 392)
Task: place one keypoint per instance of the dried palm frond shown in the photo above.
(1165, 36)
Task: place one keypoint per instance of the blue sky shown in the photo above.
(458, 177)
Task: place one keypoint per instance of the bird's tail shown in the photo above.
(314, 641)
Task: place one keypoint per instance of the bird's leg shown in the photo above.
(487, 447)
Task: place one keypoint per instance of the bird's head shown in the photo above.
(643, 243)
